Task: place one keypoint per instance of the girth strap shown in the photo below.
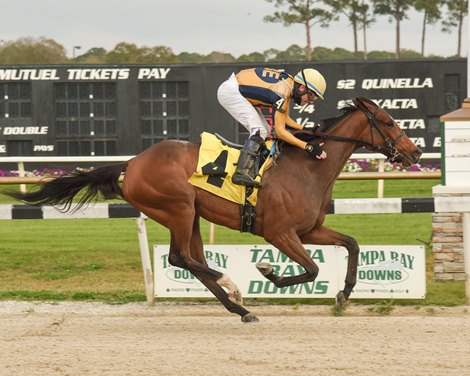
(247, 214)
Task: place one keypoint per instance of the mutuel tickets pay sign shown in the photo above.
(383, 272)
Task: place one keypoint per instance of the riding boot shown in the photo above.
(244, 175)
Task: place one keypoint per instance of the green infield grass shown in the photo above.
(99, 259)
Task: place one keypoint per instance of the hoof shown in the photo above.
(249, 317)
(264, 268)
(340, 299)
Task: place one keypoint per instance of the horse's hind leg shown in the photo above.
(325, 236)
(197, 253)
(186, 251)
(231, 301)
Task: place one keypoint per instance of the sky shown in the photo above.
(202, 26)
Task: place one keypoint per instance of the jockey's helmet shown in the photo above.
(313, 80)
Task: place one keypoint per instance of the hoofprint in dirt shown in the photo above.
(203, 339)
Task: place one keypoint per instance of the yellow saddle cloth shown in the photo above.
(215, 168)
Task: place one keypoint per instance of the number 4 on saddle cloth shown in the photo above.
(216, 165)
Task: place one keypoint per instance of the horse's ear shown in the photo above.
(359, 103)
(367, 100)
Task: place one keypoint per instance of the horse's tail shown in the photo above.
(61, 191)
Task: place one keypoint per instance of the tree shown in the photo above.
(159, 55)
(293, 53)
(366, 19)
(124, 53)
(270, 55)
(351, 9)
(254, 57)
(95, 55)
(396, 9)
(301, 12)
(431, 13)
(323, 53)
(456, 11)
(32, 51)
(343, 54)
(129, 53)
(219, 57)
(410, 54)
(190, 57)
(380, 55)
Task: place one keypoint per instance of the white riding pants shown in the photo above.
(242, 111)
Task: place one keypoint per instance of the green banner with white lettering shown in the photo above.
(384, 271)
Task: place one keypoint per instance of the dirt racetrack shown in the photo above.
(203, 339)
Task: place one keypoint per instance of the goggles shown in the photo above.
(310, 93)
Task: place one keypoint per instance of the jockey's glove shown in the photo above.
(314, 149)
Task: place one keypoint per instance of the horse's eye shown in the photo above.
(389, 124)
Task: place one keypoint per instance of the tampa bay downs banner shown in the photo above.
(384, 271)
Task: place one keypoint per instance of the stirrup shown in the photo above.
(246, 180)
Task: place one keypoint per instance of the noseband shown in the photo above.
(389, 150)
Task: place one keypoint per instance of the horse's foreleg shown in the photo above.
(326, 236)
(290, 245)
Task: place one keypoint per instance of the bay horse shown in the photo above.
(290, 210)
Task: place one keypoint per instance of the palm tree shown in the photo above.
(301, 12)
(431, 13)
(456, 11)
(365, 20)
(396, 9)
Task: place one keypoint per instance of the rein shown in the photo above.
(390, 150)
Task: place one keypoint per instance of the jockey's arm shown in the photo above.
(292, 123)
(280, 121)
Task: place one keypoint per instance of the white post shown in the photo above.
(21, 172)
(466, 216)
(146, 263)
(466, 252)
(468, 50)
(211, 233)
(380, 182)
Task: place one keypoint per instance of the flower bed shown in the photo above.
(354, 165)
(42, 172)
(364, 165)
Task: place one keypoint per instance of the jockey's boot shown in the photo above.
(244, 175)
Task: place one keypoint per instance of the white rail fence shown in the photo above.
(340, 206)
(380, 175)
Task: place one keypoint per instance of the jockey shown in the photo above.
(244, 93)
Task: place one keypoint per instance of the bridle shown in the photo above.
(389, 150)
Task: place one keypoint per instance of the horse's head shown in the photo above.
(385, 136)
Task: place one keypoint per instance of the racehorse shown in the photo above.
(291, 205)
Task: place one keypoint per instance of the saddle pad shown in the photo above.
(215, 168)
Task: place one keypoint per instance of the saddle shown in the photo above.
(216, 165)
(263, 155)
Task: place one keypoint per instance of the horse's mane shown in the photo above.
(326, 124)
(346, 110)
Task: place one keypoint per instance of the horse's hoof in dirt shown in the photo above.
(249, 317)
(236, 297)
(264, 268)
(340, 299)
